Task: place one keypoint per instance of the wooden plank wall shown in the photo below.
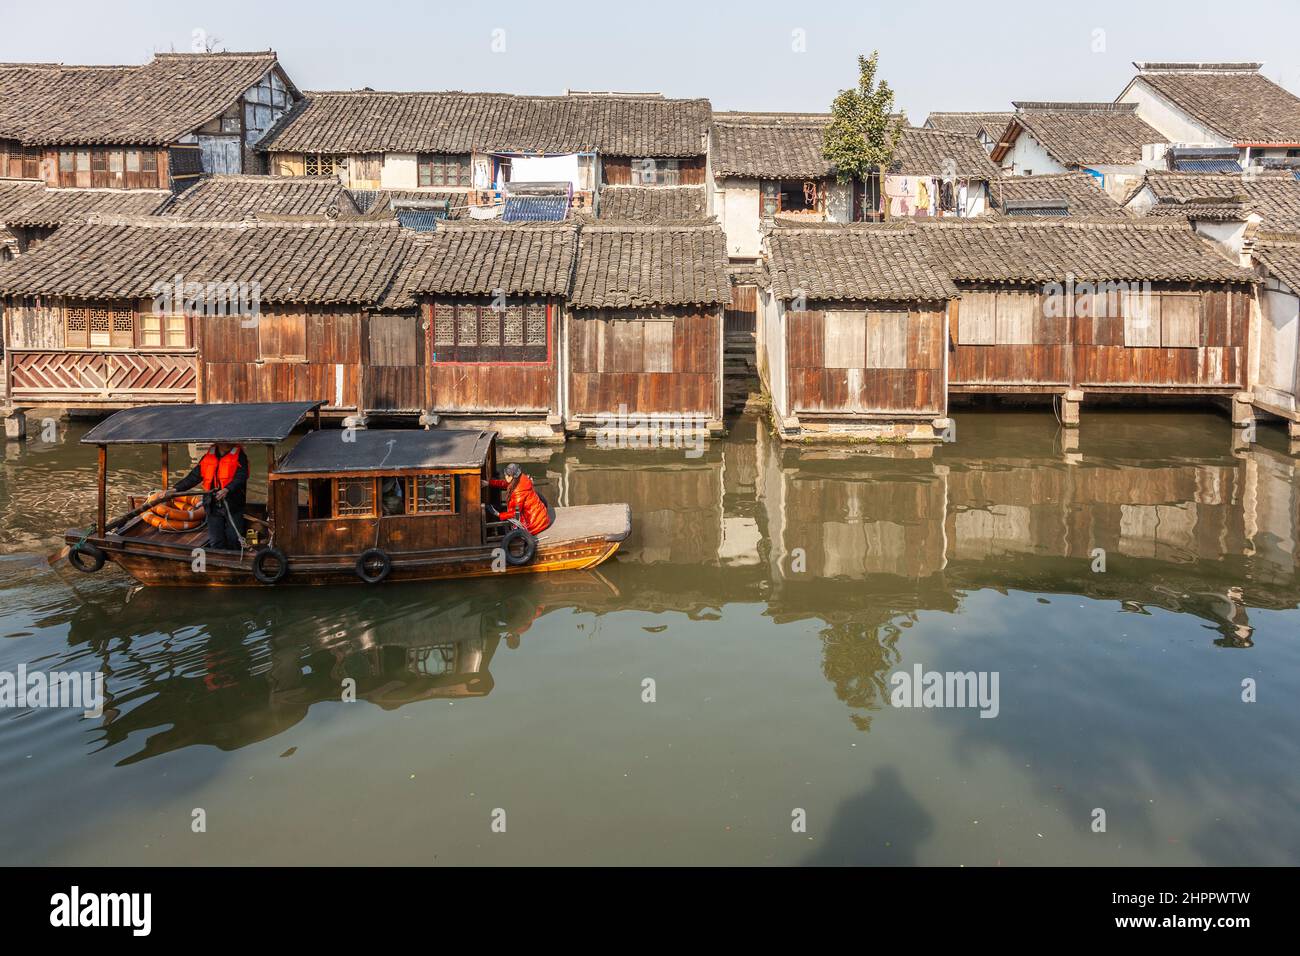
(614, 361)
(396, 375)
(235, 369)
(494, 387)
(917, 388)
(1087, 349)
(94, 168)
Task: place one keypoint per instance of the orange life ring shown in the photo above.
(185, 513)
(163, 523)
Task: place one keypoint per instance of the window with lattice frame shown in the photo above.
(354, 497)
(321, 164)
(76, 325)
(484, 333)
(431, 494)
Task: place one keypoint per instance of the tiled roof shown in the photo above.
(970, 123)
(488, 258)
(1233, 99)
(854, 263)
(1084, 134)
(653, 203)
(1202, 210)
(315, 263)
(1275, 196)
(365, 121)
(1280, 257)
(44, 207)
(635, 266)
(913, 260)
(1080, 191)
(238, 197)
(172, 95)
(1019, 250)
(933, 152)
(789, 146)
(380, 203)
(770, 145)
(16, 193)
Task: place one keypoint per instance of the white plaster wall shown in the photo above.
(771, 352)
(1169, 120)
(1229, 235)
(1027, 157)
(1119, 181)
(1142, 202)
(738, 204)
(1279, 346)
(399, 171)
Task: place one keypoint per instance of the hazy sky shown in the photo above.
(938, 55)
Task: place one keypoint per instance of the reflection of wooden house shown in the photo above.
(147, 310)
(479, 149)
(853, 339)
(644, 326)
(139, 127)
(486, 345)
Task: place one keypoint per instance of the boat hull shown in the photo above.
(157, 562)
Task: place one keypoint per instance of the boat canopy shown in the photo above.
(256, 423)
(388, 450)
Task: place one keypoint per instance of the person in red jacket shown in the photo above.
(522, 501)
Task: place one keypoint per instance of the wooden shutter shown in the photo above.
(976, 318)
(659, 345)
(1180, 320)
(844, 337)
(1016, 312)
(886, 340)
(1141, 319)
(282, 336)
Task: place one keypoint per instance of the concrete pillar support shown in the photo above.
(1243, 409)
(1071, 399)
(15, 423)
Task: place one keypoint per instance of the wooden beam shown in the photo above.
(166, 471)
(102, 504)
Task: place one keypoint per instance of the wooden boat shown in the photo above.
(326, 519)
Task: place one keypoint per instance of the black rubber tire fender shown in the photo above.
(85, 550)
(368, 556)
(259, 566)
(530, 547)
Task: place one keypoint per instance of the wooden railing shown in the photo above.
(103, 376)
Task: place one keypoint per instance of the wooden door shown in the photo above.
(742, 314)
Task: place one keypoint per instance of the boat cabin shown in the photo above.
(342, 505)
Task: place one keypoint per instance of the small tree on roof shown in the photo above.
(863, 132)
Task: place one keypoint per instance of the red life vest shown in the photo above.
(222, 469)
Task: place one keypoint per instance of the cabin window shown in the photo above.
(354, 497)
(844, 339)
(132, 160)
(473, 333)
(789, 195)
(431, 495)
(1016, 315)
(149, 161)
(322, 164)
(656, 172)
(163, 331)
(116, 163)
(282, 337)
(440, 169)
(67, 161)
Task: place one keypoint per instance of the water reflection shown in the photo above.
(860, 542)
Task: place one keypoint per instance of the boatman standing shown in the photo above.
(224, 472)
(523, 503)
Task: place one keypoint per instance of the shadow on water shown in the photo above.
(882, 826)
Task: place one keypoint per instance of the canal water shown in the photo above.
(721, 691)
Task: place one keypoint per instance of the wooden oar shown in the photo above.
(116, 522)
